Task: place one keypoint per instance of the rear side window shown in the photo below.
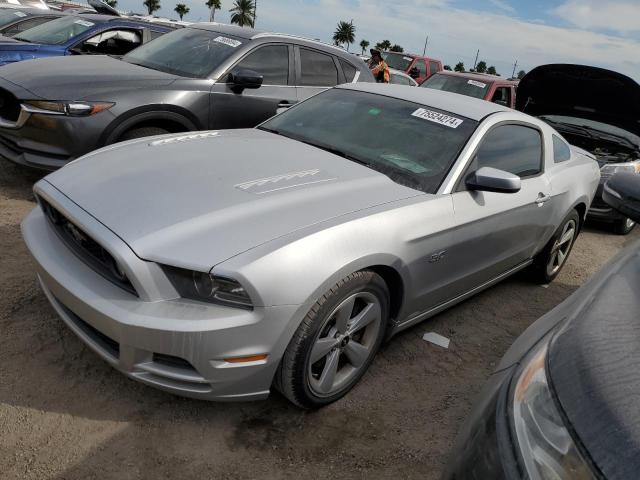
(422, 68)
(434, 67)
(317, 69)
(272, 62)
(349, 70)
(502, 96)
(26, 25)
(512, 148)
(561, 151)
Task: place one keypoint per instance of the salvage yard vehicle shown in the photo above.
(284, 255)
(16, 20)
(195, 78)
(477, 85)
(595, 109)
(562, 403)
(416, 66)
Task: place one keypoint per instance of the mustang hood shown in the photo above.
(73, 78)
(195, 200)
(583, 92)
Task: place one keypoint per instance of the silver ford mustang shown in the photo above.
(219, 264)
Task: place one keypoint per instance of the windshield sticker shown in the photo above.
(84, 23)
(20, 14)
(228, 41)
(441, 118)
(408, 59)
(477, 84)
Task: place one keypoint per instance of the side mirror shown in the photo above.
(487, 179)
(242, 79)
(622, 192)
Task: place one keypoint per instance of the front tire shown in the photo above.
(548, 264)
(336, 342)
(624, 226)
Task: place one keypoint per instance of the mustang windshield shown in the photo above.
(187, 52)
(455, 84)
(56, 32)
(414, 145)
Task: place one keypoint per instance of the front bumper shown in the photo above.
(600, 211)
(484, 448)
(172, 344)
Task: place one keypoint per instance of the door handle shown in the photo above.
(542, 199)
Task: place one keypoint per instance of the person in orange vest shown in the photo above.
(378, 66)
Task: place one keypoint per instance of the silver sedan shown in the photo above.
(221, 264)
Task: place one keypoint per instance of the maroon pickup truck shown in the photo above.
(487, 87)
(417, 67)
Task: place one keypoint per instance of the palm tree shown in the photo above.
(213, 6)
(385, 45)
(152, 5)
(181, 9)
(345, 33)
(243, 13)
(459, 67)
(364, 44)
(396, 48)
(112, 3)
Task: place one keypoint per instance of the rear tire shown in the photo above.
(336, 342)
(142, 132)
(624, 226)
(548, 264)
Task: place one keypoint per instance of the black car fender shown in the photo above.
(146, 115)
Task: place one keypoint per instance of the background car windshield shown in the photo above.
(9, 16)
(414, 145)
(455, 84)
(187, 52)
(399, 62)
(56, 32)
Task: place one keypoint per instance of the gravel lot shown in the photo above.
(65, 414)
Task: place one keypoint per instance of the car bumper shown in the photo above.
(600, 211)
(176, 345)
(484, 448)
(49, 142)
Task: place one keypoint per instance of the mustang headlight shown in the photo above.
(545, 444)
(74, 109)
(613, 168)
(206, 287)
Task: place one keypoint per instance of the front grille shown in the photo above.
(86, 248)
(9, 106)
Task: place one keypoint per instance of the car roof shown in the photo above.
(253, 34)
(484, 77)
(412, 55)
(472, 108)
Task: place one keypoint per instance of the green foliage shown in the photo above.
(492, 70)
(459, 67)
(243, 13)
(152, 5)
(364, 44)
(213, 5)
(396, 48)
(481, 67)
(521, 74)
(345, 33)
(447, 68)
(181, 9)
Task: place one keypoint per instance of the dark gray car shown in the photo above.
(207, 76)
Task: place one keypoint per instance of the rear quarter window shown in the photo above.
(561, 150)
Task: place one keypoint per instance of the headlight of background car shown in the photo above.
(545, 444)
(74, 109)
(206, 287)
(613, 168)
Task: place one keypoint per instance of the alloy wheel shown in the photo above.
(561, 248)
(344, 344)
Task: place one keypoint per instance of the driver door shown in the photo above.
(496, 232)
(233, 108)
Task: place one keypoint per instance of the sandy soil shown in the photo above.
(64, 414)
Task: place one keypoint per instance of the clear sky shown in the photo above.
(596, 32)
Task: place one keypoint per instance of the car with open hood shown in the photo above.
(563, 401)
(218, 264)
(595, 109)
(205, 76)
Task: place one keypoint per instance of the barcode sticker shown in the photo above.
(228, 41)
(436, 117)
(477, 84)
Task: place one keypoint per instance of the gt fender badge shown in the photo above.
(436, 257)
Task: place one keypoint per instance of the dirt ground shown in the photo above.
(65, 414)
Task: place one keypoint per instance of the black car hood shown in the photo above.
(583, 92)
(594, 368)
(78, 77)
